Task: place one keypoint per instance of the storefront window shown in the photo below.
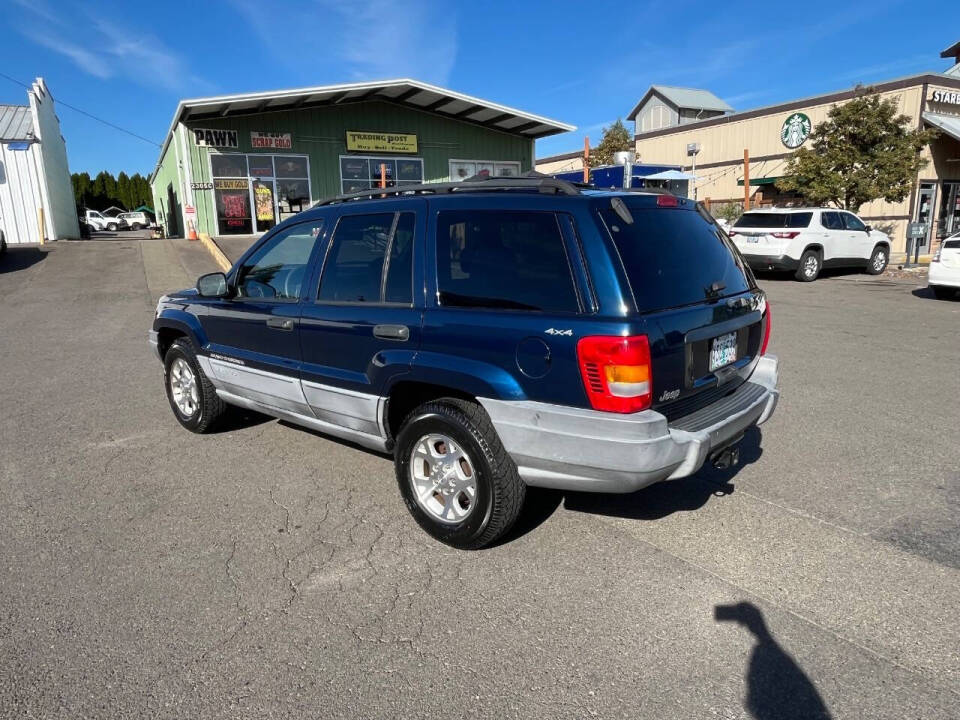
(233, 207)
(260, 165)
(949, 210)
(463, 169)
(255, 192)
(363, 173)
(228, 165)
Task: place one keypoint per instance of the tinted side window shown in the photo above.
(355, 268)
(951, 244)
(852, 222)
(799, 220)
(276, 270)
(831, 221)
(503, 259)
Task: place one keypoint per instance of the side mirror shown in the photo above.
(869, 228)
(213, 285)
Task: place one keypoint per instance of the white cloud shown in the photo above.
(374, 40)
(110, 49)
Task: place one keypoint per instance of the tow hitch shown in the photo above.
(727, 457)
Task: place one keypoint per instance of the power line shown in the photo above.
(84, 112)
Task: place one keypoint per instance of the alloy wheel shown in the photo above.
(183, 387)
(443, 478)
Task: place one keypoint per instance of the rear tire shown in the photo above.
(878, 260)
(449, 447)
(810, 266)
(135, 226)
(192, 397)
(112, 227)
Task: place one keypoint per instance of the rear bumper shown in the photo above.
(577, 449)
(946, 277)
(771, 262)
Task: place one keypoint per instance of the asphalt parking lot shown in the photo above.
(266, 571)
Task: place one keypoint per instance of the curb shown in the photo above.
(222, 261)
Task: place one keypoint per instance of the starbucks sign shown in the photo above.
(795, 130)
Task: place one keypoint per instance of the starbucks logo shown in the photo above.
(795, 130)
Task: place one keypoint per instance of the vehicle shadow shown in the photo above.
(927, 294)
(777, 687)
(670, 496)
(20, 258)
(239, 419)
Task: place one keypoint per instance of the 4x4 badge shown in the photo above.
(554, 331)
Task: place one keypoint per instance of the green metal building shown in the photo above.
(239, 164)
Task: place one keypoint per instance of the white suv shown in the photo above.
(136, 220)
(944, 279)
(97, 221)
(806, 240)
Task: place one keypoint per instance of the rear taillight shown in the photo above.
(936, 255)
(731, 233)
(785, 235)
(766, 330)
(616, 372)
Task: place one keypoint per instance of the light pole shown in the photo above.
(692, 150)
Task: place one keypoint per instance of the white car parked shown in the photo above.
(136, 220)
(806, 240)
(944, 277)
(98, 221)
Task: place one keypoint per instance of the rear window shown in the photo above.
(774, 220)
(503, 259)
(673, 257)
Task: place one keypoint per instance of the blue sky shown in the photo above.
(130, 62)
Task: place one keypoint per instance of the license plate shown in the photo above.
(723, 350)
(753, 238)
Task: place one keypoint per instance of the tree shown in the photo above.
(82, 186)
(124, 194)
(862, 152)
(615, 138)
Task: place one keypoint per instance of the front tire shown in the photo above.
(112, 227)
(810, 266)
(192, 397)
(455, 476)
(878, 260)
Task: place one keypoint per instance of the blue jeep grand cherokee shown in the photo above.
(491, 335)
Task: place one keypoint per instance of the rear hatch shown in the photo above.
(768, 232)
(950, 253)
(703, 313)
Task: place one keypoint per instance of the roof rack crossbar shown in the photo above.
(543, 185)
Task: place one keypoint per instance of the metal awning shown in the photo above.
(759, 181)
(950, 124)
(669, 175)
(411, 94)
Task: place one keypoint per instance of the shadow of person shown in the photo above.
(670, 496)
(777, 688)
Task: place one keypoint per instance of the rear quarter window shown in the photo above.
(951, 244)
(672, 257)
(774, 220)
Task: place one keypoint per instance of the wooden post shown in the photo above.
(586, 159)
(383, 175)
(41, 226)
(706, 204)
(746, 179)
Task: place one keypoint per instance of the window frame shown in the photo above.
(234, 276)
(572, 255)
(385, 156)
(327, 257)
(843, 219)
(451, 161)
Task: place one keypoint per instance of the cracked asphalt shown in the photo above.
(266, 571)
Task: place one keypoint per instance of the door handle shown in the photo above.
(392, 332)
(281, 323)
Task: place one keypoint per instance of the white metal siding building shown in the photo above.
(34, 174)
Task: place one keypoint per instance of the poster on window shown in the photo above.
(263, 197)
(233, 207)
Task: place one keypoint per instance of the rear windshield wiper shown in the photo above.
(714, 290)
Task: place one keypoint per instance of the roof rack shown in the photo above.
(474, 184)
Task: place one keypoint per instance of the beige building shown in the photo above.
(771, 134)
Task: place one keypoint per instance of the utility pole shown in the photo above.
(586, 160)
(692, 150)
(746, 179)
